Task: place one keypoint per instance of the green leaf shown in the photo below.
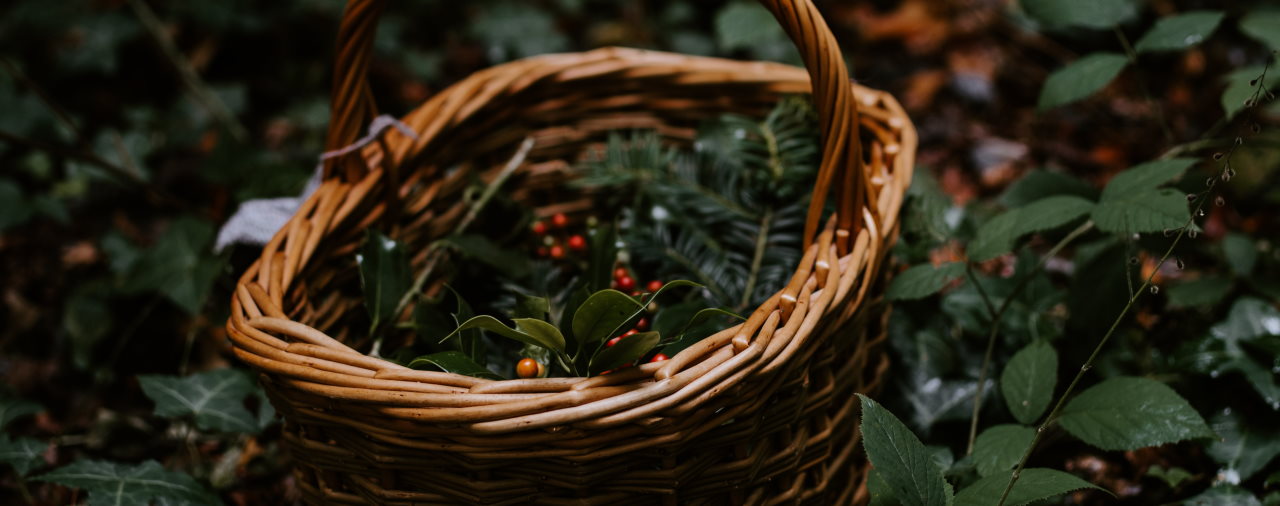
(214, 398)
(1224, 495)
(880, 491)
(1261, 377)
(531, 307)
(111, 483)
(179, 265)
(1273, 479)
(544, 339)
(542, 332)
(24, 454)
(455, 362)
(1080, 78)
(13, 408)
(1241, 253)
(601, 315)
(1096, 14)
(1128, 413)
(747, 25)
(998, 449)
(385, 276)
(1243, 85)
(432, 321)
(87, 318)
(704, 315)
(1179, 32)
(998, 235)
(603, 256)
(1033, 485)
(1171, 476)
(1038, 184)
(1027, 382)
(1261, 25)
(1204, 291)
(1141, 212)
(512, 263)
(1241, 450)
(671, 318)
(901, 458)
(626, 350)
(923, 280)
(1249, 318)
(14, 208)
(1146, 176)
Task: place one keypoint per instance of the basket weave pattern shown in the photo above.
(760, 413)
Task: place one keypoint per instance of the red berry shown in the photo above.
(557, 252)
(658, 358)
(643, 324)
(576, 242)
(636, 293)
(611, 342)
(539, 227)
(559, 220)
(528, 368)
(542, 251)
(620, 273)
(631, 332)
(626, 284)
(654, 286)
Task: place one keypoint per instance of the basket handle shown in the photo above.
(353, 104)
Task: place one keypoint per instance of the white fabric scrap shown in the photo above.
(256, 221)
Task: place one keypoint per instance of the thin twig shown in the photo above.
(190, 78)
(1142, 84)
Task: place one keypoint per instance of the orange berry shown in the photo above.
(528, 368)
(654, 286)
(539, 227)
(557, 252)
(620, 273)
(559, 220)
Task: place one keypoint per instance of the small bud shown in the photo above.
(1192, 233)
(1155, 289)
(1181, 265)
(1191, 197)
(1218, 155)
(1219, 201)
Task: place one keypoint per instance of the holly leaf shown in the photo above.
(999, 448)
(1204, 291)
(1095, 14)
(923, 280)
(455, 362)
(1127, 413)
(602, 314)
(1179, 32)
(216, 399)
(998, 235)
(385, 276)
(901, 459)
(539, 337)
(626, 350)
(1033, 484)
(24, 454)
(1241, 450)
(111, 483)
(1080, 79)
(1027, 382)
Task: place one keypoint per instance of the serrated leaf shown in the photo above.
(1199, 292)
(492, 324)
(901, 459)
(601, 315)
(998, 235)
(1142, 212)
(1179, 32)
(385, 276)
(999, 448)
(455, 362)
(1241, 253)
(13, 408)
(1033, 485)
(923, 280)
(1038, 184)
(1146, 176)
(1028, 381)
(214, 398)
(1224, 495)
(24, 453)
(111, 483)
(879, 490)
(626, 350)
(1127, 413)
(1239, 88)
(1171, 476)
(1080, 79)
(1096, 14)
(1241, 450)
(1261, 25)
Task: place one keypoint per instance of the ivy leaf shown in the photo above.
(1028, 381)
(87, 318)
(1033, 485)
(1241, 253)
(626, 350)
(111, 483)
(1127, 413)
(1171, 476)
(923, 280)
(214, 398)
(1096, 14)
(1038, 184)
(385, 276)
(24, 454)
(1242, 450)
(1145, 176)
(901, 459)
(1261, 25)
(1204, 291)
(997, 235)
(601, 314)
(455, 362)
(179, 265)
(1179, 32)
(551, 341)
(13, 408)
(1141, 212)
(1224, 495)
(999, 448)
(1080, 79)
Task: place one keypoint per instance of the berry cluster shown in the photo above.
(556, 237)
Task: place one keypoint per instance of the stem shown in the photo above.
(762, 240)
(999, 313)
(1142, 84)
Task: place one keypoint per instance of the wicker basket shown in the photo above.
(762, 412)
